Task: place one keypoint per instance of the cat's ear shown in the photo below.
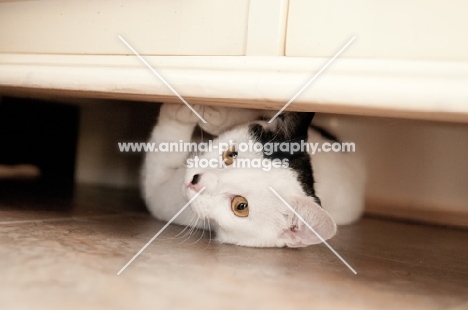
(297, 234)
(295, 125)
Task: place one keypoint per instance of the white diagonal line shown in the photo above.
(161, 230)
(313, 230)
(312, 79)
(161, 78)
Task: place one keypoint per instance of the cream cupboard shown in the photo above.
(409, 59)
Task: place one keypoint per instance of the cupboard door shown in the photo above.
(409, 29)
(175, 27)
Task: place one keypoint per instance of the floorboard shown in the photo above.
(65, 253)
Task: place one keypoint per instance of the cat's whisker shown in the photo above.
(204, 228)
(192, 220)
(194, 226)
(186, 230)
(181, 232)
(186, 237)
(178, 236)
(201, 235)
(209, 231)
(191, 230)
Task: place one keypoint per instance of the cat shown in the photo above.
(326, 189)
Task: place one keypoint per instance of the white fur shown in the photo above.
(165, 179)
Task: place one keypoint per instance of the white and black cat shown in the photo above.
(325, 189)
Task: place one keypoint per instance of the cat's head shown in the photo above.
(237, 198)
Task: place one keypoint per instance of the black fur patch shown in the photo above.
(298, 161)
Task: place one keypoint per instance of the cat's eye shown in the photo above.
(240, 206)
(230, 155)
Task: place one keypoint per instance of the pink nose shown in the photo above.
(194, 187)
(195, 183)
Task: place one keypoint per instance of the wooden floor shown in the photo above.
(61, 253)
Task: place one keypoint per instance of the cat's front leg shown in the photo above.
(163, 171)
(175, 125)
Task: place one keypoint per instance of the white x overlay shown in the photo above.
(161, 78)
(312, 79)
(203, 120)
(313, 230)
(161, 230)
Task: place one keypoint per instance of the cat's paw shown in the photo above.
(180, 112)
(219, 119)
(214, 116)
(216, 119)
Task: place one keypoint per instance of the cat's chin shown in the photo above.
(259, 244)
(279, 243)
(223, 237)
